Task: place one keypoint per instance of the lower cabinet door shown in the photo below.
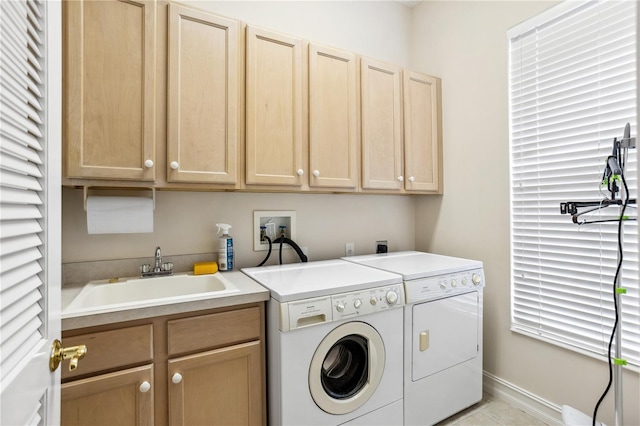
(219, 387)
(121, 398)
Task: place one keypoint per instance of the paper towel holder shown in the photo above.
(86, 192)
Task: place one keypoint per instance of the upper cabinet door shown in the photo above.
(333, 118)
(274, 109)
(422, 134)
(202, 109)
(110, 105)
(381, 126)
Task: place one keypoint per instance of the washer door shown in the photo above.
(346, 368)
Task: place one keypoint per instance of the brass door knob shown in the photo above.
(58, 353)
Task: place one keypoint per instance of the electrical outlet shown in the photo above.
(382, 246)
(349, 249)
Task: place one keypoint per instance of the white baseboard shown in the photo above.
(531, 404)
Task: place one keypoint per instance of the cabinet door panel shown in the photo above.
(333, 119)
(202, 97)
(110, 89)
(381, 126)
(110, 399)
(222, 387)
(274, 108)
(423, 144)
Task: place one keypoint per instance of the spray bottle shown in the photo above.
(225, 248)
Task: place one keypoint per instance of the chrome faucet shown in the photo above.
(160, 269)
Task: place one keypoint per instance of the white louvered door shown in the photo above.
(30, 200)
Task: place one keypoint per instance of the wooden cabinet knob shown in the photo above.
(148, 164)
(177, 378)
(174, 165)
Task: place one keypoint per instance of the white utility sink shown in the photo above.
(130, 293)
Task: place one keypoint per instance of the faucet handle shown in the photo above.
(146, 268)
(167, 266)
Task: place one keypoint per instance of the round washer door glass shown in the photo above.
(346, 368)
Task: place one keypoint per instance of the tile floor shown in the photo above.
(491, 412)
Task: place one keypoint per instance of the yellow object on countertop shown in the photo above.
(203, 268)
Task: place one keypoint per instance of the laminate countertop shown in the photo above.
(249, 292)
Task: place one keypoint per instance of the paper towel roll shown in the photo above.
(119, 215)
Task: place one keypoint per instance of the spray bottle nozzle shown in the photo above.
(225, 228)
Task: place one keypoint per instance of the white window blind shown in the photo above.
(572, 89)
(21, 124)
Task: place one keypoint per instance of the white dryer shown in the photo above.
(443, 332)
(334, 344)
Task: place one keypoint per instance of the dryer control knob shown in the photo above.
(392, 297)
(443, 285)
(340, 307)
(454, 283)
(373, 300)
(464, 281)
(476, 279)
(357, 303)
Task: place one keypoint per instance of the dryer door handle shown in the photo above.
(424, 340)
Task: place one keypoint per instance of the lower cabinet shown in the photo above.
(188, 369)
(220, 387)
(113, 399)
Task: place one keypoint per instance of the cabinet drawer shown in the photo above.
(111, 349)
(210, 331)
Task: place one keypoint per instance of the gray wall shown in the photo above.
(184, 223)
(466, 44)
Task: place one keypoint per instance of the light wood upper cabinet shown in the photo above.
(202, 99)
(109, 89)
(422, 133)
(111, 399)
(274, 109)
(245, 110)
(381, 126)
(333, 118)
(220, 387)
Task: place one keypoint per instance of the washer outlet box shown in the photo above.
(274, 221)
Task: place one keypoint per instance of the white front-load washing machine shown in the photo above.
(334, 344)
(443, 332)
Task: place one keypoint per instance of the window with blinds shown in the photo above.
(572, 89)
(21, 180)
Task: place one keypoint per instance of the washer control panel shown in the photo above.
(320, 310)
(443, 285)
(348, 305)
